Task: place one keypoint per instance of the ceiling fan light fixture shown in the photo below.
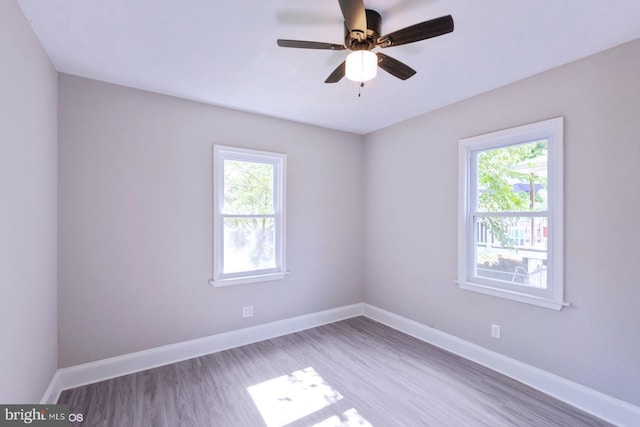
(361, 66)
(362, 34)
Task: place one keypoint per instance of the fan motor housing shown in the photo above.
(374, 22)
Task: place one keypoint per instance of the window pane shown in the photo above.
(249, 244)
(513, 250)
(513, 178)
(248, 188)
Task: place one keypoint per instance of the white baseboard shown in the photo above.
(601, 405)
(105, 369)
(608, 408)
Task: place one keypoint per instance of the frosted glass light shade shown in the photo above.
(362, 65)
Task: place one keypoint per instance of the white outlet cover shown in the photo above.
(495, 331)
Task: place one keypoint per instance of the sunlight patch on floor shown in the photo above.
(350, 418)
(288, 398)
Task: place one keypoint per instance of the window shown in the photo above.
(249, 189)
(510, 214)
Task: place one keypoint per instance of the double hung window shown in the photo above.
(510, 214)
(249, 215)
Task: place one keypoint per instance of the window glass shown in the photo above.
(510, 255)
(249, 244)
(512, 178)
(248, 187)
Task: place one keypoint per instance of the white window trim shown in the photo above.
(552, 130)
(221, 153)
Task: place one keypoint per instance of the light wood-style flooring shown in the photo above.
(356, 372)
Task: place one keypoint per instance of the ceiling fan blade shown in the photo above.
(302, 44)
(395, 67)
(424, 30)
(337, 74)
(355, 16)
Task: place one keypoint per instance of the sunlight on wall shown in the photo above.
(288, 398)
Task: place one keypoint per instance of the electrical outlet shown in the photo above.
(495, 331)
(247, 311)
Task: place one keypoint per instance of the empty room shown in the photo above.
(331, 213)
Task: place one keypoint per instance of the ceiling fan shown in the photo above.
(362, 35)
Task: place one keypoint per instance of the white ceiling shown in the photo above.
(224, 52)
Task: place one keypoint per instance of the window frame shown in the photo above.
(279, 161)
(553, 131)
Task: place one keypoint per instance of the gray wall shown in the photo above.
(411, 229)
(28, 211)
(135, 223)
(134, 253)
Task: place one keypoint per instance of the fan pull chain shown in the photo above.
(360, 89)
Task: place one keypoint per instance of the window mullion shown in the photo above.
(224, 215)
(510, 214)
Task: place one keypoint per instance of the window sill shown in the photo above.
(243, 280)
(514, 296)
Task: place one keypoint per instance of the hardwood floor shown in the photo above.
(355, 372)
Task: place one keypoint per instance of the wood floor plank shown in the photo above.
(355, 372)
